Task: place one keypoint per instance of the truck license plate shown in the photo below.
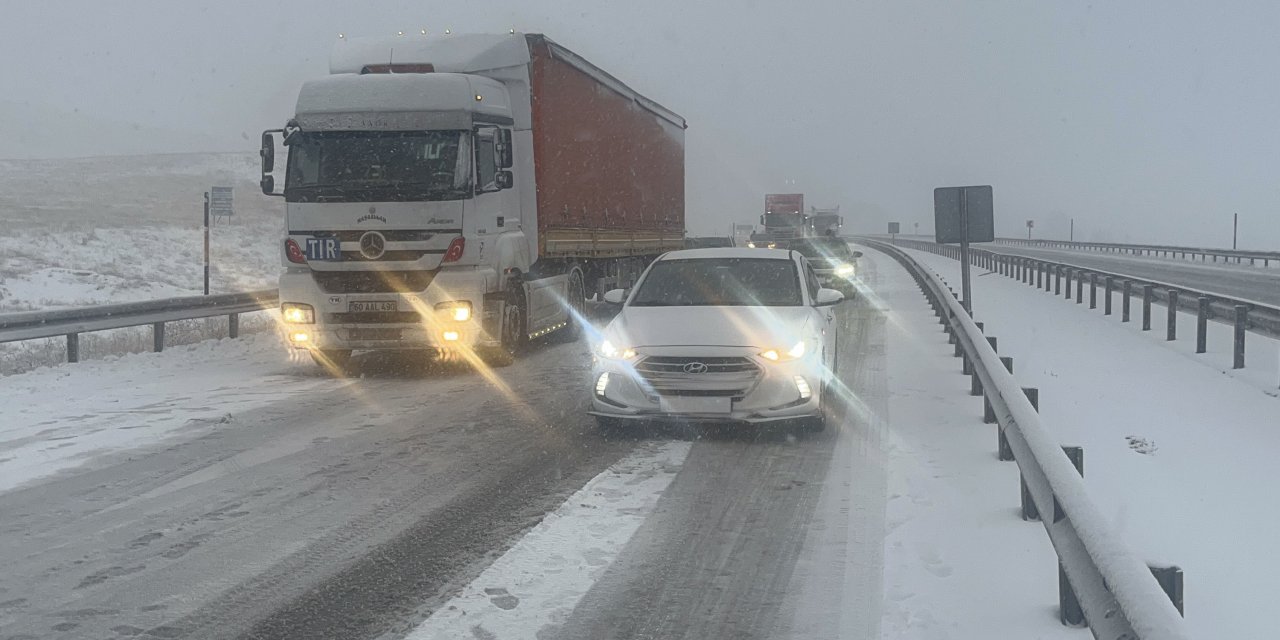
(366, 306)
(322, 248)
(695, 404)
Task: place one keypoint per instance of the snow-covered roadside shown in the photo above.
(1178, 447)
(958, 561)
(61, 417)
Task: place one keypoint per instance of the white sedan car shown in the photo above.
(719, 335)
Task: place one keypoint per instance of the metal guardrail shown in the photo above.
(1242, 314)
(33, 325)
(1191, 253)
(1101, 583)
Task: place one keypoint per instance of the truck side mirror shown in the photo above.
(503, 150)
(504, 179)
(268, 154)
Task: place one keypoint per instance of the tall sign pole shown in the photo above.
(206, 243)
(1235, 230)
(964, 252)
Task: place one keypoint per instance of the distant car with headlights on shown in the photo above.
(835, 262)
(719, 335)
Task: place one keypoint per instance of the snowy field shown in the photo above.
(1177, 445)
(117, 229)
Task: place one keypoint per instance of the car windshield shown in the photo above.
(730, 282)
(822, 248)
(377, 166)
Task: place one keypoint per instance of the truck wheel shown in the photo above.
(333, 359)
(577, 305)
(515, 332)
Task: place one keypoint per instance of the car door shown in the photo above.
(823, 317)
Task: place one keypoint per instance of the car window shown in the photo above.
(720, 282)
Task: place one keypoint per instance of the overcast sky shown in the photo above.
(1145, 121)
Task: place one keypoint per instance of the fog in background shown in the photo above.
(1145, 121)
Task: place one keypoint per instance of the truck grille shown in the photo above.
(724, 376)
(372, 281)
(377, 317)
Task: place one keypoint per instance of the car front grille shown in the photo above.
(723, 376)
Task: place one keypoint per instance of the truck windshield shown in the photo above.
(364, 166)
(783, 220)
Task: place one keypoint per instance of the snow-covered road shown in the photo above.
(226, 490)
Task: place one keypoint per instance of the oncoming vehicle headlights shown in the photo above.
(607, 350)
(844, 270)
(295, 313)
(778, 355)
(455, 310)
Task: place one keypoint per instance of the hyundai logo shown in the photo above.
(372, 245)
(695, 367)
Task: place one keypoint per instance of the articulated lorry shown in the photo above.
(465, 194)
(783, 218)
(825, 222)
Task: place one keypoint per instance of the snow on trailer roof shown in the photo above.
(727, 252)
(476, 53)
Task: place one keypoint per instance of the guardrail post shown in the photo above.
(1093, 291)
(1124, 305)
(1241, 322)
(1108, 284)
(1170, 580)
(1070, 612)
(1079, 287)
(1057, 280)
(1040, 266)
(1202, 324)
(1146, 307)
(1067, 273)
(1003, 450)
(989, 412)
(975, 383)
(73, 347)
(1172, 323)
(233, 325)
(157, 337)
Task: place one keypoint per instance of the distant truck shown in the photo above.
(783, 218)
(825, 222)
(466, 193)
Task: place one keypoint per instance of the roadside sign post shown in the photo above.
(963, 215)
(206, 243)
(893, 231)
(1031, 224)
(220, 203)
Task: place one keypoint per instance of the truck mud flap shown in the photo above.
(491, 317)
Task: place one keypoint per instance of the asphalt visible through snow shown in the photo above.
(357, 512)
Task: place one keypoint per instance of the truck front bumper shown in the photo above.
(413, 324)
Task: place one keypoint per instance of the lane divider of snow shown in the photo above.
(539, 581)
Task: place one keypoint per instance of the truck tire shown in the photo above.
(514, 330)
(576, 301)
(332, 359)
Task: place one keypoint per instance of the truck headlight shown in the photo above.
(455, 310)
(778, 355)
(296, 313)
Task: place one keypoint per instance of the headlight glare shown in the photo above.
(608, 350)
(777, 355)
(455, 310)
(844, 270)
(295, 313)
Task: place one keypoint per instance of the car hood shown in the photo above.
(761, 327)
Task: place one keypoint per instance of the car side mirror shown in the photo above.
(857, 254)
(827, 298)
(615, 296)
(505, 179)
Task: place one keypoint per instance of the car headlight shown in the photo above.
(751, 245)
(844, 270)
(607, 350)
(455, 310)
(295, 313)
(778, 355)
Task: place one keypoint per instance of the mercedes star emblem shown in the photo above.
(372, 245)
